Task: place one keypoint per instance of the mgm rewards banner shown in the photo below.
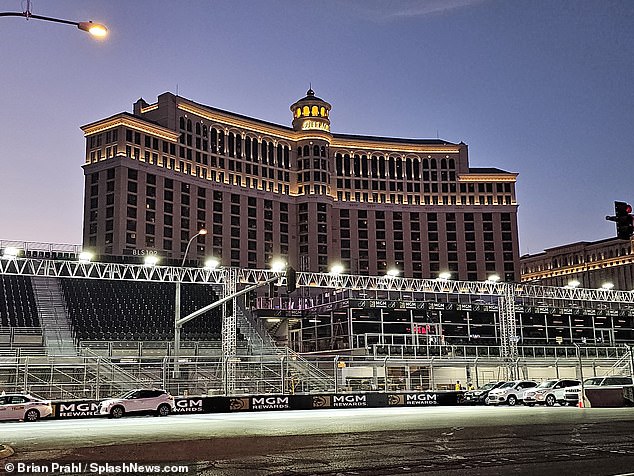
(251, 403)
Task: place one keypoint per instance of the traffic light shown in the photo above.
(624, 220)
(291, 280)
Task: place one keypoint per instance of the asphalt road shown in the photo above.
(387, 441)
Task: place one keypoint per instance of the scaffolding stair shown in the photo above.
(54, 318)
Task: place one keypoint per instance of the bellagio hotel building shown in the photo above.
(304, 194)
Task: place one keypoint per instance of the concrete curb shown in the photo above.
(5, 451)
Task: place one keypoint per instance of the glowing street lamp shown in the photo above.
(336, 269)
(392, 272)
(10, 252)
(85, 257)
(95, 29)
(607, 286)
(494, 278)
(573, 284)
(278, 266)
(212, 263)
(151, 260)
(444, 276)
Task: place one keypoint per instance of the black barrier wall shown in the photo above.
(251, 403)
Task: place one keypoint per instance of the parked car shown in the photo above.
(510, 392)
(478, 396)
(22, 406)
(571, 396)
(143, 400)
(550, 392)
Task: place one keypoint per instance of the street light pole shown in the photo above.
(95, 29)
(177, 307)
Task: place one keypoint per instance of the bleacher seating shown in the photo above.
(17, 302)
(104, 310)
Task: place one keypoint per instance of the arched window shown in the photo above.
(204, 131)
(306, 151)
(390, 165)
(306, 111)
(399, 168)
(374, 167)
(443, 164)
(280, 156)
(408, 168)
(425, 164)
(323, 151)
(189, 125)
(339, 164)
(221, 142)
(315, 111)
(364, 165)
(299, 151)
(298, 112)
(357, 165)
(214, 140)
(247, 147)
(316, 150)
(382, 167)
(287, 157)
(416, 170)
(239, 146)
(346, 165)
(433, 164)
(198, 128)
(271, 154)
(182, 122)
(264, 148)
(232, 144)
(322, 111)
(255, 150)
(452, 164)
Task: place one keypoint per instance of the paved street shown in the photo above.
(387, 441)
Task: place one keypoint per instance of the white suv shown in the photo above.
(572, 394)
(144, 400)
(510, 392)
(549, 392)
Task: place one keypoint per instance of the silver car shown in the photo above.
(22, 406)
(550, 392)
(510, 393)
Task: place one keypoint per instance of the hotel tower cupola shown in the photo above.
(311, 113)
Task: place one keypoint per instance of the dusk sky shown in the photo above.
(541, 88)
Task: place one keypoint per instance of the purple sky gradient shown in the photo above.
(542, 88)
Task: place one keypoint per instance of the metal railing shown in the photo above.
(408, 350)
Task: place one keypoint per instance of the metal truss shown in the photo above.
(229, 330)
(136, 272)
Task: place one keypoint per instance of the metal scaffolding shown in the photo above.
(138, 272)
(233, 278)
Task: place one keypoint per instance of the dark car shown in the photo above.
(478, 396)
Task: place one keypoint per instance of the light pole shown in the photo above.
(95, 29)
(177, 307)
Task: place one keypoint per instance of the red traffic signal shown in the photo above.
(622, 208)
(624, 220)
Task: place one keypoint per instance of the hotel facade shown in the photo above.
(604, 263)
(263, 191)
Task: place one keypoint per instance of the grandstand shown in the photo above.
(75, 330)
(136, 311)
(17, 302)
